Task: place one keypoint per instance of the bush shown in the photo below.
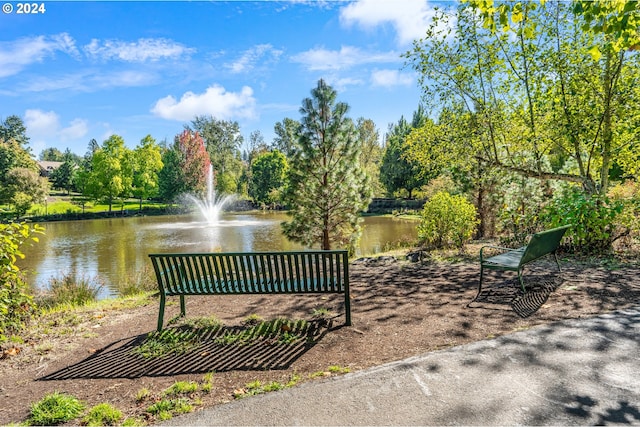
(16, 300)
(55, 408)
(102, 414)
(70, 290)
(447, 221)
(594, 219)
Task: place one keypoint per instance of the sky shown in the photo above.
(78, 70)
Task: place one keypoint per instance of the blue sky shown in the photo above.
(84, 70)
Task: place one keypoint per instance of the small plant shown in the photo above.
(70, 290)
(142, 281)
(168, 341)
(166, 408)
(252, 320)
(207, 383)
(210, 322)
(55, 408)
(181, 387)
(143, 394)
(102, 414)
(321, 313)
(256, 387)
(335, 369)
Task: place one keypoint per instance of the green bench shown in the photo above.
(304, 272)
(540, 244)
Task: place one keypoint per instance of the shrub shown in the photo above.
(447, 221)
(16, 300)
(593, 218)
(55, 408)
(103, 414)
(71, 290)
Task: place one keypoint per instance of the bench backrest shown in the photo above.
(543, 243)
(252, 272)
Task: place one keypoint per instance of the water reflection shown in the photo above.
(114, 249)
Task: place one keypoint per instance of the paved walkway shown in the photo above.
(578, 372)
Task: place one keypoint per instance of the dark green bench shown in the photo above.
(540, 244)
(304, 272)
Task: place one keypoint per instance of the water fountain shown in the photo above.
(211, 204)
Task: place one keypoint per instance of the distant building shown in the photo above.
(47, 167)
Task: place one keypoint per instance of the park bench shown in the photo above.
(540, 244)
(303, 272)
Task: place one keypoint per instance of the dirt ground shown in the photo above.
(399, 309)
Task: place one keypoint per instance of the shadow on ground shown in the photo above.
(203, 350)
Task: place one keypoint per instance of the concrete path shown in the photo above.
(578, 372)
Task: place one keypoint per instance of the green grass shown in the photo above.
(70, 290)
(55, 408)
(102, 414)
(257, 387)
(168, 341)
(283, 330)
(181, 387)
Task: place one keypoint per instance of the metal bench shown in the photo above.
(304, 272)
(540, 244)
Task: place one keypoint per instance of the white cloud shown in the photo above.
(44, 128)
(409, 18)
(347, 57)
(142, 50)
(262, 53)
(17, 55)
(389, 78)
(215, 101)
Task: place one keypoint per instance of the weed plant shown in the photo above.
(70, 290)
(102, 414)
(55, 408)
(168, 341)
(141, 282)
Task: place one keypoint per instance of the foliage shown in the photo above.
(102, 414)
(24, 187)
(12, 156)
(16, 301)
(447, 221)
(168, 341)
(370, 153)
(171, 181)
(287, 134)
(63, 176)
(70, 290)
(194, 161)
(269, 172)
(593, 219)
(55, 408)
(142, 280)
(111, 172)
(222, 140)
(147, 164)
(327, 187)
(628, 193)
(13, 128)
(531, 97)
(398, 170)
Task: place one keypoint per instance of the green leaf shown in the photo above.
(595, 53)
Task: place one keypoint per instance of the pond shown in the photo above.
(114, 249)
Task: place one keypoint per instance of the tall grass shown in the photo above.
(68, 289)
(141, 281)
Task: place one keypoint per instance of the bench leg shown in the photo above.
(183, 307)
(479, 286)
(347, 309)
(161, 312)
(524, 291)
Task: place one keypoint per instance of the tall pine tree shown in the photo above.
(327, 187)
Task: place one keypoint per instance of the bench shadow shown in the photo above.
(508, 293)
(208, 353)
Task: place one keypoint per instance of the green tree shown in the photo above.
(52, 155)
(399, 171)
(371, 153)
(63, 177)
(268, 171)
(112, 172)
(13, 128)
(327, 187)
(12, 155)
(25, 187)
(287, 133)
(171, 181)
(147, 161)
